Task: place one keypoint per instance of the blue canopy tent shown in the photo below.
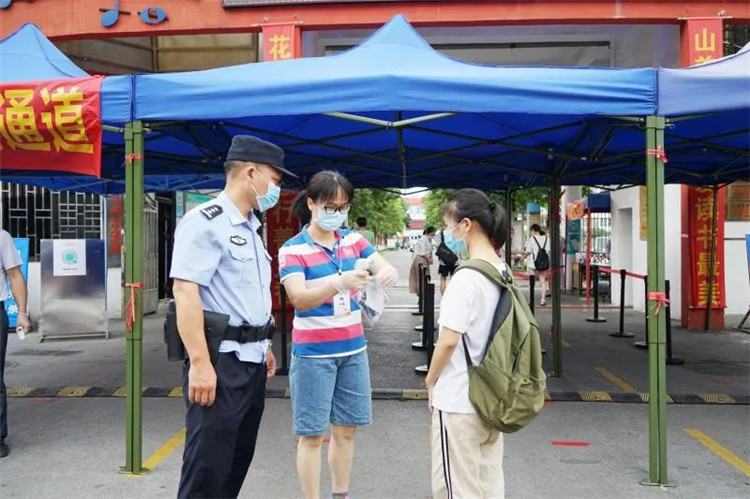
(709, 107)
(392, 112)
(27, 55)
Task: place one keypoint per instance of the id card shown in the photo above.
(342, 304)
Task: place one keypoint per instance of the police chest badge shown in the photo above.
(238, 240)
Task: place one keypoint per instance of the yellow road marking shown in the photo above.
(720, 451)
(73, 391)
(120, 392)
(615, 380)
(176, 392)
(20, 391)
(165, 450)
(596, 396)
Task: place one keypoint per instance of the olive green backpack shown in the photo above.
(507, 387)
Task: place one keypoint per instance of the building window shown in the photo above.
(38, 213)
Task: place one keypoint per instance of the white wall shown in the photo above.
(737, 280)
(629, 199)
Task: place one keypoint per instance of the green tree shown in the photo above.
(385, 211)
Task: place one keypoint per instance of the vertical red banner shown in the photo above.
(702, 40)
(700, 201)
(281, 225)
(281, 42)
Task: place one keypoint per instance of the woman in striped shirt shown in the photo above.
(322, 271)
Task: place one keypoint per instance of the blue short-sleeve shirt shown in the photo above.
(219, 249)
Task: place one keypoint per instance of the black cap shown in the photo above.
(255, 150)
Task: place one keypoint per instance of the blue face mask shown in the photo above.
(330, 221)
(270, 198)
(458, 246)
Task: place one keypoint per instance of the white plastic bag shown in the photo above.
(372, 303)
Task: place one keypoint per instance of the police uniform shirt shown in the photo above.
(9, 259)
(217, 248)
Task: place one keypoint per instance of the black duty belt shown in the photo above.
(250, 334)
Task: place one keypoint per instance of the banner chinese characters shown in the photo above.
(51, 125)
(281, 225)
(701, 203)
(702, 41)
(281, 42)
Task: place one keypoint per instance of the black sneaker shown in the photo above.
(4, 449)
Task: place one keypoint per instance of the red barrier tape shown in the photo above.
(659, 153)
(130, 319)
(132, 157)
(660, 298)
(610, 270)
(545, 273)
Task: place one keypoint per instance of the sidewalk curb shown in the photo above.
(383, 394)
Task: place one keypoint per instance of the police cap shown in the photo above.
(254, 150)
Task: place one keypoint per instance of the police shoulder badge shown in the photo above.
(213, 211)
(238, 240)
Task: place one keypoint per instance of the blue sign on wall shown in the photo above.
(22, 246)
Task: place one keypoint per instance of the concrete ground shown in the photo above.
(66, 448)
(72, 447)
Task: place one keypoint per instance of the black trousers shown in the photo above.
(3, 350)
(220, 440)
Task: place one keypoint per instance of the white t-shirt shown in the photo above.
(424, 247)
(467, 307)
(531, 247)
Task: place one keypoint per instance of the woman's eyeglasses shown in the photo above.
(330, 210)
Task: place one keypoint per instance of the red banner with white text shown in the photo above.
(51, 125)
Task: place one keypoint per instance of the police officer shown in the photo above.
(10, 270)
(220, 265)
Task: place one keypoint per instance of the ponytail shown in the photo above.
(300, 209)
(476, 206)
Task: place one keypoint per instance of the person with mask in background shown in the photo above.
(448, 268)
(220, 265)
(322, 269)
(423, 250)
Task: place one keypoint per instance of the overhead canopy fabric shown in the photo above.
(720, 85)
(415, 118)
(395, 70)
(27, 55)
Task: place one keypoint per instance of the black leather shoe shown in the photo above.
(4, 450)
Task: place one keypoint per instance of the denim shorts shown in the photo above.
(329, 390)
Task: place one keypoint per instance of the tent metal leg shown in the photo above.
(656, 314)
(508, 241)
(133, 276)
(554, 276)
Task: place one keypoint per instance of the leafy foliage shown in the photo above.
(385, 211)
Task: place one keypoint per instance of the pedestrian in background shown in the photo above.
(220, 265)
(467, 455)
(329, 379)
(362, 229)
(423, 250)
(537, 242)
(10, 271)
